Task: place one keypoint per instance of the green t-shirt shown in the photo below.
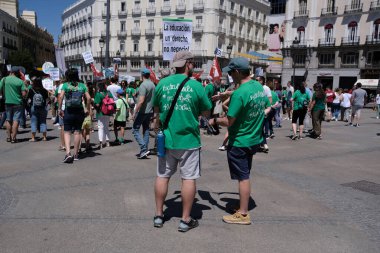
(99, 96)
(209, 89)
(298, 99)
(69, 88)
(247, 106)
(130, 92)
(147, 89)
(121, 114)
(284, 93)
(13, 89)
(183, 130)
(275, 98)
(319, 103)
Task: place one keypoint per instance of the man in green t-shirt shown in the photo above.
(13, 89)
(182, 136)
(245, 117)
(143, 113)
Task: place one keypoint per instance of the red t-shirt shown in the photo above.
(330, 96)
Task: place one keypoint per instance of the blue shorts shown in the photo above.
(73, 120)
(13, 112)
(240, 161)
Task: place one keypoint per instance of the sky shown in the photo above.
(49, 13)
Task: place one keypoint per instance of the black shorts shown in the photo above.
(119, 123)
(73, 120)
(299, 115)
(240, 161)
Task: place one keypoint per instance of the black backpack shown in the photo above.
(38, 99)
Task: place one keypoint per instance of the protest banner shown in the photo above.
(54, 74)
(177, 36)
(87, 56)
(48, 83)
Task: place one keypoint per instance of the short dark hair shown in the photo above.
(146, 75)
(72, 75)
(245, 72)
(114, 79)
(261, 78)
(359, 85)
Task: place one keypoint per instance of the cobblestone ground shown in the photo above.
(307, 196)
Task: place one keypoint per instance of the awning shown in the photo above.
(368, 83)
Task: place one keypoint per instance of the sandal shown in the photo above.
(158, 221)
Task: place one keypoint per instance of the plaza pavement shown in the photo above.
(303, 199)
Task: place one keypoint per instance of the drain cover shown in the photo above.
(6, 198)
(365, 186)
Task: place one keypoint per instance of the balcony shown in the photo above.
(350, 41)
(166, 9)
(122, 33)
(135, 53)
(326, 42)
(353, 8)
(136, 31)
(222, 31)
(136, 11)
(329, 11)
(348, 65)
(198, 28)
(198, 6)
(149, 54)
(375, 6)
(231, 33)
(222, 8)
(104, 14)
(151, 10)
(180, 8)
(301, 14)
(150, 32)
(372, 40)
(123, 14)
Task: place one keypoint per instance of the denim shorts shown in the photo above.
(240, 161)
(14, 112)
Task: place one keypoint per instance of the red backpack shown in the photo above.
(108, 105)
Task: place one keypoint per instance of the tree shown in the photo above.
(22, 58)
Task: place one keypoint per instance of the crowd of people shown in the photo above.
(251, 107)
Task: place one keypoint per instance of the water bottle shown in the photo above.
(160, 144)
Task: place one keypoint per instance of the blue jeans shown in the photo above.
(336, 110)
(142, 119)
(3, 118)
(277, 116)
(268, 125)
(14, 112)
(38, 119)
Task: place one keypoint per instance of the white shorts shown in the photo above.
(189, 162)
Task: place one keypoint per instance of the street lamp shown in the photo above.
(101, 44)
(229, 50)
(296, 42)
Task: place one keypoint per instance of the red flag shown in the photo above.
(198, 75)
(153, 76)
(215, 71)
(95, 71)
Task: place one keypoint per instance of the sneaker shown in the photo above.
(356, 125)
(271, 135)
(237, 218)
(108, 144)
(158, 221)
(142, 155)
(377, 117)
(186, 226)
(349, 124)
(222, 148)
(294, 137)
(68, 159)
(300, 137)
(56, 124)
(76, 157)
(265, 148)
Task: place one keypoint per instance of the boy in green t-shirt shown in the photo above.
(120, 116)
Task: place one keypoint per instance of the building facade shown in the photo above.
(8, 36)
(38, 41)
(136, 30)
(334, 42)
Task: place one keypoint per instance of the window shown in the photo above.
(135, 64)
(221, 2)
(278, 6)
(326, 58)
(376, 29)
(199, 20)
(135, 46)
(303, 6)
(232, 6)
(122, 46)
(150, 64)
(352, 31)
(137, 24)
(299, 59)
(122, 26)
(330, 5)
(123, 6)
(301, 33)
(350, 58)
(151, 23)
(150, 46)
(137, 4)
(329, 33)
(355, 4)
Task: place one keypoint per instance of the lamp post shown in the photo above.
(296, 42)
(229, 50)
(101, 44)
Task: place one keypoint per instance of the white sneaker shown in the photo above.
(222, 148)
(377, 117)
(56, 124)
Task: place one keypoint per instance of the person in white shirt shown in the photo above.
(338, 97)
(345, 105)
(113, 88)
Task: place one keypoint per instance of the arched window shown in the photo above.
(301, 33)
(329, 32)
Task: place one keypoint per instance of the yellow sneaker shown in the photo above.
(237, 218)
